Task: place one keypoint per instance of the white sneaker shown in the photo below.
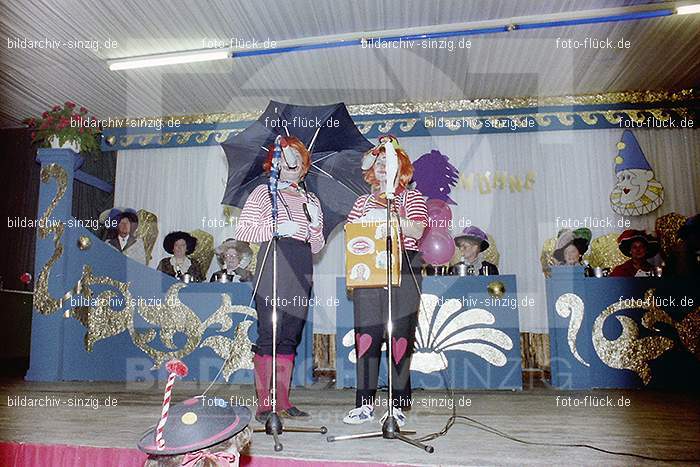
(359, 415)
(398, 415)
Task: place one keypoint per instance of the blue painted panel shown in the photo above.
(672, 368)
(464, 369)
(58, 350)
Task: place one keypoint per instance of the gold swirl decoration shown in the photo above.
(113, 310)
(167, 317)
(689, 332)
(237, 354)
(661, 105)
(629, 351)
(43, 301)
(605, 253)
(688, 328)
(627, 97)
(181, 137)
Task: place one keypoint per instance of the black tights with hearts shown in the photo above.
(371, 313)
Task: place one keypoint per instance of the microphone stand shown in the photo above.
(390, 428)
(273, 424)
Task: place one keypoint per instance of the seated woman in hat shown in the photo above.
(235, 257)
(180, 245)
(570, 247)
(472, 243)
(639, 247)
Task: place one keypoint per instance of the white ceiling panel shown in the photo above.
(664, 54)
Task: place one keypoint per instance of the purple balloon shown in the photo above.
(438, 210)
(437, 246)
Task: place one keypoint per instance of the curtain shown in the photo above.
(88, 201)
(19, 201)
(571, 172)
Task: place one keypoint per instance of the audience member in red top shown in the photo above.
(638, 246)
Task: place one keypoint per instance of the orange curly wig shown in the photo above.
(294, 142)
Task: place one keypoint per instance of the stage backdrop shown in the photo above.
(520, 187)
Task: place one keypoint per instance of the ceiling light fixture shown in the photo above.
(173, 58)
(503, 25)
(688, 9)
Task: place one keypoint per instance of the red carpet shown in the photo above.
(61, 455)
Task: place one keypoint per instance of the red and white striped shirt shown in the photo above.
(255, 223)
(408, 203)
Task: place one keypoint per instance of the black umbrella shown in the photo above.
(336, 147)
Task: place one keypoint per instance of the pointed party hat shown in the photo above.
(630, 155)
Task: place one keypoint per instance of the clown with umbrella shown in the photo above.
(296, 181)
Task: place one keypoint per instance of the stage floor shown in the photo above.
(652, 423)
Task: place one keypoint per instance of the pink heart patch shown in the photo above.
(398, 348)
(362, 343)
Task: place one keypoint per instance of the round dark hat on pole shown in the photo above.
(195, 424)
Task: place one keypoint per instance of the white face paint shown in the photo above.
(379, 168)
(290, 157)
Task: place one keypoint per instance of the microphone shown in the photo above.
(274, 178)
(392, 169)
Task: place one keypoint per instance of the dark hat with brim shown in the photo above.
(625, 240)
(580, 238)
(172, 237)
(691, 227)
(195, 424)
(129, 214)
(473, 234)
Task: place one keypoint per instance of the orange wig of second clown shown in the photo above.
(404, 176)
(294, 142)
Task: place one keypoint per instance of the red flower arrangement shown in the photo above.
(66, 125)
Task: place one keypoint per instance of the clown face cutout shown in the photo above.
(636, 192)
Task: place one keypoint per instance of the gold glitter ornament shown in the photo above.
(666, 228)
(84, 243)
(204, 251)
(605, 253)
(496, 289)
(629, 351)
(147, 231)
(547, 256)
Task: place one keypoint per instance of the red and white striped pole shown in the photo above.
(175, 368)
